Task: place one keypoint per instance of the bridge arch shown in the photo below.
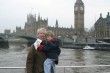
(1, 38)
(30, 40)
(3, 43)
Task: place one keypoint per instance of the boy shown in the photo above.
(52, 51)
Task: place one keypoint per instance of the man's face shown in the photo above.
(41, 35)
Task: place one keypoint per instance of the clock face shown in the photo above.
(81, 8)
(76, 8)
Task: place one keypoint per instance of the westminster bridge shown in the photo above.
(65, 42)
(4, 42)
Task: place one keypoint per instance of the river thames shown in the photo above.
(15, 56)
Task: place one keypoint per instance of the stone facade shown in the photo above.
(7, 31)
(32, 25)
(102, 27)
(19, 30)
(79, 17)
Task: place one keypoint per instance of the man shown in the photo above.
(36, 58)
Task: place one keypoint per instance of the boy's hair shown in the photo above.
(50, 33)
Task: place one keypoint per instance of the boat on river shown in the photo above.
(88, 47)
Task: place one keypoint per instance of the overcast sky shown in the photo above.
(14, 12)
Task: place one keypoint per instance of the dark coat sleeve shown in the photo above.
(30, 60)
(50, 45)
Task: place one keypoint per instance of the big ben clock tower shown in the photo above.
(79, 17)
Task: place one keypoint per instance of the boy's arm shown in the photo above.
(49, 46)
(52, 44)
(46, 48)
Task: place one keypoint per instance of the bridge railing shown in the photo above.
(60, 69)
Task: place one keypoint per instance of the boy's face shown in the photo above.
(48, 37)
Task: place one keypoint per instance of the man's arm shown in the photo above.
(30, 60)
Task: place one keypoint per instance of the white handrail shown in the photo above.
(12, 67)
(59, 66)
(64, 67)
(84, 66)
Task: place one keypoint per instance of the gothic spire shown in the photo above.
(79, 2)
(38, 16)
(108, 15)
(56, 23)
(100, 15)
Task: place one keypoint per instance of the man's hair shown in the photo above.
(41, 29)
(50, 33)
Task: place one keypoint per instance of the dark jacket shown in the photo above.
(51, 49)
(35, 61)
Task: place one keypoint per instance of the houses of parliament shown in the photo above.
(32, 24)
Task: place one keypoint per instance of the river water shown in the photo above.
(15, 56)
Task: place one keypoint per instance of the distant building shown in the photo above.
(32, 24)
(19, 30)
(7, 31)
(79, 17)
(102, 27)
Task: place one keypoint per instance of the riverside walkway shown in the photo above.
(59, 69)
